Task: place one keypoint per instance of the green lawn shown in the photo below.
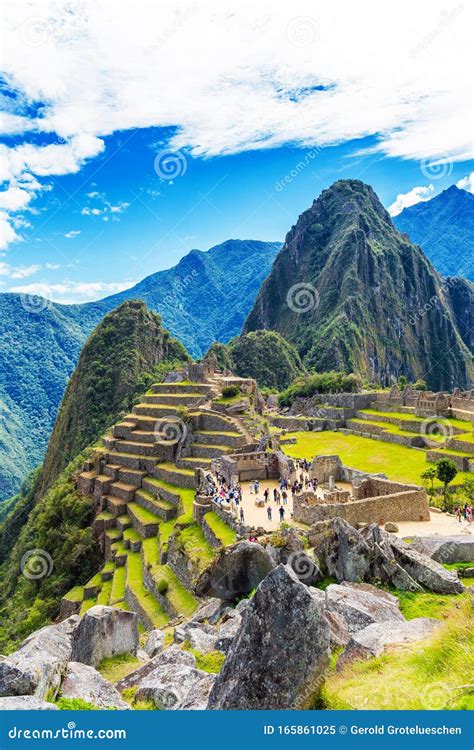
(221, 530)
(399, 463)
(118, 585)
(153, 609)
(104, 594)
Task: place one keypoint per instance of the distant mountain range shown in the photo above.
(444, 228)
(205, 297)
(352, 293)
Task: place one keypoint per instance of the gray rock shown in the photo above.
(391, 527)
(201, 636)
(154, 642)
(228, 630)
(424, 570)
(360, 605)
(103, 632)
(348, 554)
(372, 640)
(26, 703)
(37, 667)
(236, 572)
(281, 652)
(446, 549)
(175, 683)
(86, 683)
(209, 611)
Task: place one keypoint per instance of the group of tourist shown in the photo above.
(463, 512)
(220, 492)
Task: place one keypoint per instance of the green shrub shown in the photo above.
(320, 382)
(162, 586)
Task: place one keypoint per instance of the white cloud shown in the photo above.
(52, 266)
(71, 292)
(14, 198)
(415, 195)
(103, 207)
(467, 183)
(236, 76)
(19, 272)
(7, 232)
(73, 233)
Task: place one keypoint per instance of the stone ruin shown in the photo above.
(372, 498)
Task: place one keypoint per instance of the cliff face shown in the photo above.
(460, 293)
(352, 293)
(128, 344)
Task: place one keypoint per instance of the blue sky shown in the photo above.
(110, 172)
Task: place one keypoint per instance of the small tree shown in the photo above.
(420, 385)
(446, 471)
(469, 490)
(402, 382)
(429, 475)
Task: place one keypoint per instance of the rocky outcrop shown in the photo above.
(280, 654)
(372, 640)
(175, 683)
(348, 555)
(26, 703)
(87, 684)
(200, 636)
(102, 632)
(446, 549)
(37, 667)
(425, 571)
(359, 605)
(237, 571)
(154, 643)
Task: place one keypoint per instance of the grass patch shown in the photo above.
(153, 609)
(151, 551)
(325, 583)
(221, 530)
(117, 593)
(196, 546)
(398, 462)
(75, 595)
(104, 595)
(179, 597)
(129, 695)
(431, 674)
(75, 704)
(211, 662)
(427, 604)
(87, 604)
(115, 668)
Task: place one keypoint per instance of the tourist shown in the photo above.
(256, 486)
(284, 496)
(266, 494)
(241, 515)
(269, 512)
(457, 512)
(282, 513)
(275, 493)
(277, 497)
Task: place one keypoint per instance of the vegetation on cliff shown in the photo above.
(324, 382)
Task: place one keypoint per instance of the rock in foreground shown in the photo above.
(102, 632)
(86, 683)
(281, 652)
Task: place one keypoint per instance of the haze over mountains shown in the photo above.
(444, 228)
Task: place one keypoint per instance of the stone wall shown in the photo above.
(371, 486)
(411, 505)
(462, 462)
(458, 445)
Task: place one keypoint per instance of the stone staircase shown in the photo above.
(143, 480)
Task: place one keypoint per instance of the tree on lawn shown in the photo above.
(429, 475)
(446, 471)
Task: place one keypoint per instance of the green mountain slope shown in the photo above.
(444, 228)
(353, 294)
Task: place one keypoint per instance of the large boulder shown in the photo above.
(37, 667)
(86, 683)
(199, 635)
(347, 555)
(103, 632)
(425, 571)
(446, 549)
(236, 572)
(209, 611)
(360, 605)
(372, 640)
(229, 627)
(385, 567)
(281, 652)
(26, 703)
(175, 683)
(154, 643)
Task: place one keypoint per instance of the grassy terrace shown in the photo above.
(196, 547)
(179, 597)
(459, 423)
(398, 462)
(117, 593)
(153, 609)
(104, 595)
(76, 594)
(221, 530)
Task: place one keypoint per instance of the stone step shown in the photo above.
(102, 484)
(133, 461)
(156, 410)
(160, 507)
(139, 436)
(172, 474)
(132, 476)
(148, 424)
(139, 449)
(207, 420)
(123, 490)
(109, 442)
(115, 505)
(209, 451)
(174, 399)
(132, 539)
(160, 489)
(112, 470)
(143, 520)
(202, 388)
(216, 437)
(123, 522)
(193, 462)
